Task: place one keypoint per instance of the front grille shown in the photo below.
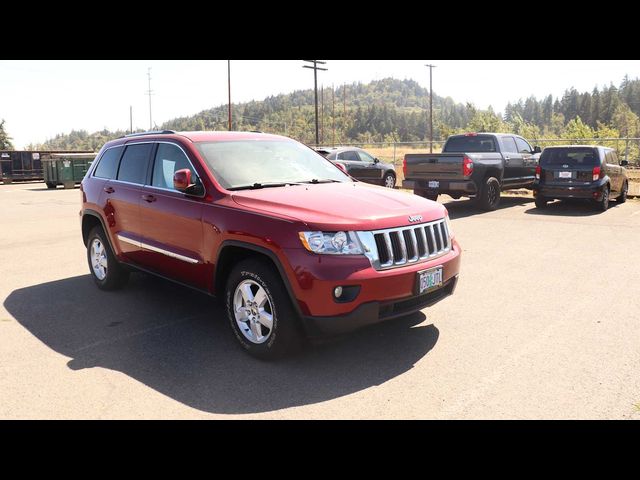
(400, 246)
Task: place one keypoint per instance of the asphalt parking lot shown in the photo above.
(545, 323)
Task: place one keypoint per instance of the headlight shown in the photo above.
(332, 243)
(449, 227)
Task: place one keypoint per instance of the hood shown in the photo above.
(341, 206)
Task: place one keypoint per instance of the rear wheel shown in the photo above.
(603, 204)
(107, 272)
(51, 185)
(623, 195)
(541, 202)
(260, 311)
(489, 196)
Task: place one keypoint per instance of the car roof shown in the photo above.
(337, 149)
(201, 136)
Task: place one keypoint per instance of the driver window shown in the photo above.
(365, 157)
(169, 159)
(523, 146)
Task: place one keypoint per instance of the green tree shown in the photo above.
(5, 139)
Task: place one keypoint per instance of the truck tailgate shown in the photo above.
(434, 165)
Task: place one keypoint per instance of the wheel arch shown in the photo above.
(233, 251)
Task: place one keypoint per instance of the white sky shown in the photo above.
(39, 99)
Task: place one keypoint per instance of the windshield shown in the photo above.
(572, 157)
(470, 143)
(261, 163)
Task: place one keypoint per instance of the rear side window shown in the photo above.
(471, 143)
(133, 166)
(108, 165)
(572, 157)
(349, 155)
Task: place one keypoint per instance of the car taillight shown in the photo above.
(538, 172)
(467, 166)
(404, 166)
(341, 167)
(596, 173)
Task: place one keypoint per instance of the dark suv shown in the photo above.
(580, 171)
(292, 244)
(361, 165)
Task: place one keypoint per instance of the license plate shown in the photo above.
(434, 184)
(564, 174)
(429, 280)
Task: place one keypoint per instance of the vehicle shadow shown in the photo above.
(569, 208)
(177, 341)
(467, 207)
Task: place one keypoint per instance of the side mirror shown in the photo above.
(182, 180)
(537, 149)
(375, 160)
(624, 163)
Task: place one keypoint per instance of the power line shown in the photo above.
(315, 87)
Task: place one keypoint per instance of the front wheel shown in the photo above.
(260, 311)
(489, 196)
(51, 185)
(107, 272)
(623, 195)
(389, 180)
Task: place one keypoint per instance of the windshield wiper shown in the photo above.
(325, 180)
(257, 185)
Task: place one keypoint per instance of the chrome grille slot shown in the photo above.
(395, 247)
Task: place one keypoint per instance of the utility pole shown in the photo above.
(333, 114)
(322, 113)
(315, 87)
(431, 67)
(150, 92)
(229, 82)
(130, 119)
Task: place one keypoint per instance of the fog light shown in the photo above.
(337, 292)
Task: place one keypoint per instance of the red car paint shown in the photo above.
(197, 228)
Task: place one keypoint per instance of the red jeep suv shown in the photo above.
(296, 247)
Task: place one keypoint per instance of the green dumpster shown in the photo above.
(66, 169)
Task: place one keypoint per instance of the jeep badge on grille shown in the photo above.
(415, 218)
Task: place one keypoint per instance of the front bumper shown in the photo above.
(374, 312)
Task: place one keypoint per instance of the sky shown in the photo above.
(39, 99)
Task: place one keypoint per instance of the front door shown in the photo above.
(371, 171)
(172, 220)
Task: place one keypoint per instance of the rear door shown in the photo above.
(351, 160)
(569, 166)
(172, 221)
(513, 162)
(123, 195)
(614, 171)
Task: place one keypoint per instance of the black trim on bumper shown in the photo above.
(374, 312)
(461, 186)
(559, 191)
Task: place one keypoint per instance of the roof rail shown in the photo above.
(153, 132)
(255, 131)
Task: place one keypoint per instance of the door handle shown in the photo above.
(108, 189)
(506, 159)
(149, 198)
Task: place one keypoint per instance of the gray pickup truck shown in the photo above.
(478, 165)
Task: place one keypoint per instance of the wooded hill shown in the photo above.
(392, 110)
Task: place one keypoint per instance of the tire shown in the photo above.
(541, 202)
(272, 327)
(51, 185)
(603, 204)
(389, 180)
(489, 196)
(424, 194)
(107, 272)
(623, 195)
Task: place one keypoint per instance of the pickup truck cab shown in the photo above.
(478, 165)
(290, 243)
